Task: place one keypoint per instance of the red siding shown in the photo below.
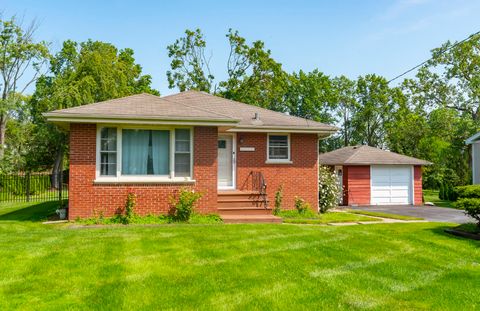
(298, 179)
(357, 185)
(87, 199)
(417, 185)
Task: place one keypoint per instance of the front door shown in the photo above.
(226, 162)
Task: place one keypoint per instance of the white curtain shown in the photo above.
(135, 152)
(161, 152)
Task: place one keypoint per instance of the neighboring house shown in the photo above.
(372, 176)
(475, 142)
(152, 146)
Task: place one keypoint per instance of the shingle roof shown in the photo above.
(189, 105)
(366, 155)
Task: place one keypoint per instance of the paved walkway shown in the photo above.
(430, 213)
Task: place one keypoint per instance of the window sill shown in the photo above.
(140, 180)
(278, 162)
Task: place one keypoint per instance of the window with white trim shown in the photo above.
(182, 153)
(132, 152)
(108, 151)
(278, 148)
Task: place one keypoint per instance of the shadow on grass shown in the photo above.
(441, 231)
(28, 211)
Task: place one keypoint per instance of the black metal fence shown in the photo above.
(29, 187)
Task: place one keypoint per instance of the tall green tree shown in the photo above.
(346, 105)
(81, 73)
(373, 111)
(310, 95)
(21, 60)
(190, 67)
(254, 77)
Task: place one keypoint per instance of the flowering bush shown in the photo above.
(329, 189)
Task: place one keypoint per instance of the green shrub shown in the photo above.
(471, 207)
(278, 200)
(441, 192)
(130, 207)
(329, 190)
(184, 205)
(472, 191)
(301, 206)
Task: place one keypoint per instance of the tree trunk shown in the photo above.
(57, 168)
(3, 128)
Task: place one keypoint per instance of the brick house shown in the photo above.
(237, 155)
(372, 176)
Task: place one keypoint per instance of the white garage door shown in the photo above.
(391, 184)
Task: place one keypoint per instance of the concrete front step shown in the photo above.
(235, 219)
(244, 210)
(235, 194)
(240, 203)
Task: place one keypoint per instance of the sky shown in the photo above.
(349, 38)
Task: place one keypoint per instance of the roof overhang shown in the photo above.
(472, 139)
(286, 129)
(64, 121)
(369, 164)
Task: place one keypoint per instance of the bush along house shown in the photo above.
(236, 155)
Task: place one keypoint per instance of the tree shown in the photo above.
(21, 59)
(80, 74)
(459, 77)
(254, 77)
(310, 95)
(373, 111)
(190, 66)
(346, 105)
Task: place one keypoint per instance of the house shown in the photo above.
(372, 176)
(475, 142)
(237, 155)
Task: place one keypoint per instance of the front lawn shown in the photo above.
(269, 266)
(293, 217)
(432, 196)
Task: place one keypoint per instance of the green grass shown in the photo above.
(150, 219)
(470, 227)
(432, 196)
(233, 267)
(384, 215)
(293, 217)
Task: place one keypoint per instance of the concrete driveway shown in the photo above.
(430, 213)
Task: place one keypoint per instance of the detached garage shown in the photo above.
(372, 176)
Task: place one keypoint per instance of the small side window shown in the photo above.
(108, 151)
(278, 148)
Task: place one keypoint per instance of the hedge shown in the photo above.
(471, 207)
(463, 192)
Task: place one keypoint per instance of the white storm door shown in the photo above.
(226, 147)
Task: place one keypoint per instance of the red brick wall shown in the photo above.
(417, 185)
(298, 179)
(357, 184)
(87, 199)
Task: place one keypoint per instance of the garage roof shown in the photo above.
(366, 155)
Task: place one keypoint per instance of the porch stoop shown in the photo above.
(237, 206)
